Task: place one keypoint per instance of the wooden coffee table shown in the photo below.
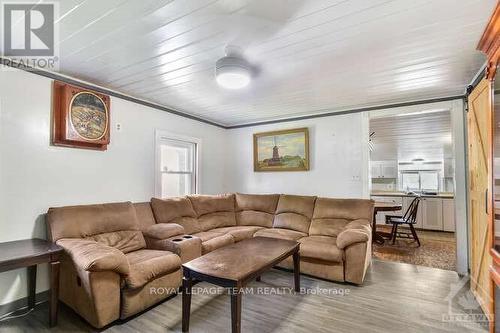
(235, 265)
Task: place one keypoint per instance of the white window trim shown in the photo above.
(167, 135)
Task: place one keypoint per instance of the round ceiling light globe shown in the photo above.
(232, 73)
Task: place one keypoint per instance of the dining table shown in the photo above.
(379, 236)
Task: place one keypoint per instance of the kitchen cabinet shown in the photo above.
(384, 169)
(375, 170)
(395, 200)
(449, 215)
(432, 213)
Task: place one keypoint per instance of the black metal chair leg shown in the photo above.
(392, 231)
(395, 234)
(414, 233)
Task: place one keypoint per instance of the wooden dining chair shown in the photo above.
(409, 218)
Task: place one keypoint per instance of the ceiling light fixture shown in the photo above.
(233, 71)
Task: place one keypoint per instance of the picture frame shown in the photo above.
(283, 150)
(80, 117)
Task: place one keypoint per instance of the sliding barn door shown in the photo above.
(479, 122)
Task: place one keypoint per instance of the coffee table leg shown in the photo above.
(236, 312)
(296, 270)
(54, 292)
(186, 302)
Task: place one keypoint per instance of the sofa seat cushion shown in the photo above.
(327, 227)
(239, 233)
(147, 265)
(207, 235)
(211, 240)
(280, 233)
(321, 247)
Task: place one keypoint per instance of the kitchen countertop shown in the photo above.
(442, 195)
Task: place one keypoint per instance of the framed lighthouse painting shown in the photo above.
(286, 150)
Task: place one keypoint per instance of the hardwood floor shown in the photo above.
(396, 297)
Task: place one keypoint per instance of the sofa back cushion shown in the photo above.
(176, 210)
(144, 214)
(331, 215)
(214, 211)
(256, 209)
(112, 224)
(294, 212)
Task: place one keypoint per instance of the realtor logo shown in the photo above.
(29, 33)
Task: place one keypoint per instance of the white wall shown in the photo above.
(35, 176)
(338, 159)
(459, 151)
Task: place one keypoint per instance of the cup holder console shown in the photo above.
(185, 237)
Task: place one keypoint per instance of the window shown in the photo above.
(420, 181)
(410, 181)
(177, 165)
(429, 181)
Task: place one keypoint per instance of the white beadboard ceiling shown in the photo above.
(313, 56)
(410, 136)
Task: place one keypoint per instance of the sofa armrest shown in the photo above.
(164, 230)
(356, 231)
(95, 257)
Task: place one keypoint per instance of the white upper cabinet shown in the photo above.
(375, 170)
(384, 169)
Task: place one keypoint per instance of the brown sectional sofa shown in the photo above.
(116, 252)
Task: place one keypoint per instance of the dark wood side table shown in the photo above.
(29, 253)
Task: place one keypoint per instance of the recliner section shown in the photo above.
(107, 269)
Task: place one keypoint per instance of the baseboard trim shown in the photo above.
(22, 303)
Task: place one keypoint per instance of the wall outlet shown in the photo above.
(118, 127)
